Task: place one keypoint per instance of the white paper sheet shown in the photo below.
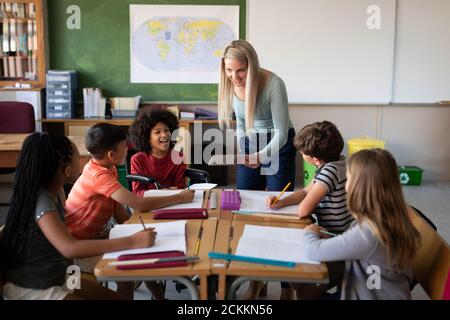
(202, 186)
(196, 203)
(255, 201)
(170, 236)
(283, 244)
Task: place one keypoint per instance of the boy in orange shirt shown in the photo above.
(97, 195)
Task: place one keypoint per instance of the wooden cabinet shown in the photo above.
(23, 56)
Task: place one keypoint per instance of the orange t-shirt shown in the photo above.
(89, 205)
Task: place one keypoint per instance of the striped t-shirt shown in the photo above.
(332, 212)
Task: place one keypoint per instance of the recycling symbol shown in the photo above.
(404, 178)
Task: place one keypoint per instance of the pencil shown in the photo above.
(189, 183)
(328, 233)
(279, 196)
(142, 221)
(197, 244)
(154, 260)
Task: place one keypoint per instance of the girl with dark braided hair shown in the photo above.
(35, 242)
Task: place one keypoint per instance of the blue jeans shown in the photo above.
(253, 179)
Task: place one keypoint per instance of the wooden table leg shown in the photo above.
(203, 287)
(221, 292)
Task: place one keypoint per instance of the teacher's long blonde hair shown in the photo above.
(243, 52)
(374, 195)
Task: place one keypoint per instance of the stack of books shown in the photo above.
(18, 41)
(94, 103)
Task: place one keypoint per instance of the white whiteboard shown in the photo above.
(422, 54)
(323, 49)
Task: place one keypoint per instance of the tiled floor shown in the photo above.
(432, 198)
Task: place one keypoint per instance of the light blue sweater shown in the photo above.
(271, 112)
(363, 252)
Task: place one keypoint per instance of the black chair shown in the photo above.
(195, 175)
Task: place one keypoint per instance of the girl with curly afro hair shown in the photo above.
(151, 133)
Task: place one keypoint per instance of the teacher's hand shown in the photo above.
(252, 161)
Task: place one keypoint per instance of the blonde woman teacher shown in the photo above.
(265, 132)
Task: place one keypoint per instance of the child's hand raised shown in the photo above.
(144, 238)
(186, 196)
(270, 203)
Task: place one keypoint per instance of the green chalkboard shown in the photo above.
(100, 50)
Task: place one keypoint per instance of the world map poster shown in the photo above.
(179, 43)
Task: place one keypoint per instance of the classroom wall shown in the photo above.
(415, 134)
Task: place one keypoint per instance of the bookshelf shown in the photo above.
(22, 53)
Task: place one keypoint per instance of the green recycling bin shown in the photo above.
(410, 175)
(122, 171)
(309, 171)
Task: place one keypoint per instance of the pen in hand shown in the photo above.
(282, 192)
(147, 237)
(197, 244)
(143, 224)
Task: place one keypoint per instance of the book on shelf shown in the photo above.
(19, 41)
(187, 115)
(94, 103)
(175, 110)
(5, 36)
(5, 67)
(11, 67)
(205, 114)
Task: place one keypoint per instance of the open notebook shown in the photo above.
(171, 237)
(196, 203)
(255, 201)
(275, 243)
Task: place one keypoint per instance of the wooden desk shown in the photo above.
(11, 145)
(228, 234)
(104, 272)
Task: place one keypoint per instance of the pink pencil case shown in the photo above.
(198, 213)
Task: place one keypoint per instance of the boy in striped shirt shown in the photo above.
(321, 144)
